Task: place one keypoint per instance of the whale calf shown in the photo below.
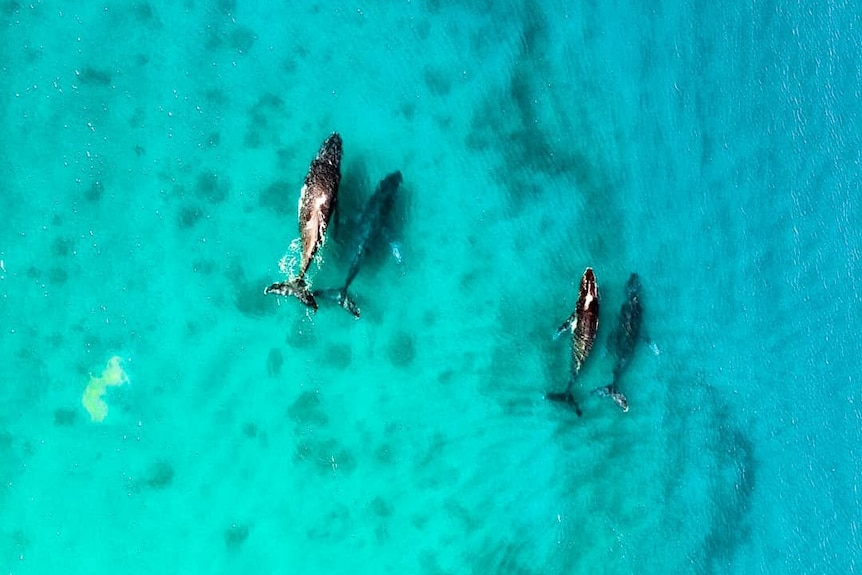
(317, 202)
(623, 340)
(371, 223)
(583, 323)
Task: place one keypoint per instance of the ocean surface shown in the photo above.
(151, 160)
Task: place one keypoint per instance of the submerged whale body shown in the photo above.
(583, 323)
(317, 202)
(371, 224)
(623, 340)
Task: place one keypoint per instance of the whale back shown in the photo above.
(586, 322)
(629, 328)
(318, 198)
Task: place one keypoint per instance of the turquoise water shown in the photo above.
(152, 161)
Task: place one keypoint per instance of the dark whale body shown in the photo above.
(584, 323)
(624, 339)
(371, 224)
(317, 202)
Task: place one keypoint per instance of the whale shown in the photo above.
(583, 324)
(372, 220)
(317, 202)
(623, 340)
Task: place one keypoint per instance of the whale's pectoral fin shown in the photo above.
(567, 325)
(651, 344)
(295, 287)
(566, 398)
(341, 297)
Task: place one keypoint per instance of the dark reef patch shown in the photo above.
(300, 335)
(722, 460)
(438, 81)
(384, 454)
(212, 187)
(235, 536)
(401, 350)
(90, 76)
(248, 296)
(734, 482)
(65, 417)
(206, 267)
(215, 96)
(249, 429)
(326, 455)
(57, 276)
(307, 410)
(226, 7)
(408, 109)
(145, 14)
(10, 7)
(188, 216)
(285, 155)
(266, 118)
(159, 476)
(338, 356)
(94, 192)
(289, 66)
(430, 317)
(540, 141)
(274, 361)
(55, 339)
(336, 525)
(511, 557)
(212, 140)
(241, 39)
(6, 441)
(62, 247)
(277, 197)
(446, 377)
(379, 507)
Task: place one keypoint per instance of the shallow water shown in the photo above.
(151, 166)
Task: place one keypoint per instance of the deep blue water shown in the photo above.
(151, 164)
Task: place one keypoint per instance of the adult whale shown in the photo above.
(371, 224)
(584, 323)
(317, 202)
(623, 340)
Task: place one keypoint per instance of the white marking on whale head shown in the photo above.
(320, 201)
(302, 193)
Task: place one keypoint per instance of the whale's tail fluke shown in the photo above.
(615, 394)
(341, 297)
(566, 398)
(296, 287)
